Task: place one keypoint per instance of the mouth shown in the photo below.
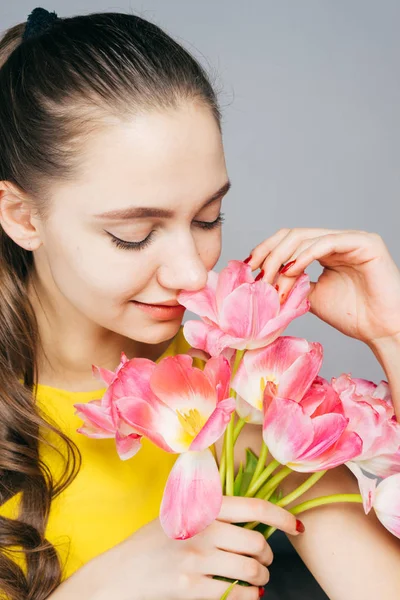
(173, 303)
(162, 311)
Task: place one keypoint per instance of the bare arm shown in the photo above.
(387, 352)
(351, 555)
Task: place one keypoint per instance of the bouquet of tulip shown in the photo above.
(251, 374)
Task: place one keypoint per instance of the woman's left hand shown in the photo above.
(358, 291)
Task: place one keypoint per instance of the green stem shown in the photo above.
(229, 440)
(308, 504)
(304, 487)
(230, 469)
(262, 459)
(268, 489)
(238, 428)
(222, 465)
(261, 479)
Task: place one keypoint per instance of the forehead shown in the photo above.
(171, 158)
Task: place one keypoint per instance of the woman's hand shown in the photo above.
(358, 291)
(148, 565)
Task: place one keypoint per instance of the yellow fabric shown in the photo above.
(110, 498)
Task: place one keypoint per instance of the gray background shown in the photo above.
(310, 92)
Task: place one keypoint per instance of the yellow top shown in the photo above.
(110, 498)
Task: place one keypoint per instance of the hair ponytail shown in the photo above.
(95, 66)
(21, 469)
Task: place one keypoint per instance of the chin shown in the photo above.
(158, 331)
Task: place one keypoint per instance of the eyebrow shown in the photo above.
(140, 212)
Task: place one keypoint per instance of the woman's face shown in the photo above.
(171, 163)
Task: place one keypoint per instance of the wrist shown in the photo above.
(386, 349)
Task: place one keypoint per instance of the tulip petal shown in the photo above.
(231, 277)
(183, 387)
(209, 338)
(387, 503)
(202, 302)
(150, 420)
(346, 448)
(104, 374)
(297, 298)
(127, 445)
(297, 379)
(262, 301)
(218, 372)
(297, 304)
(330, 403)
(366, 484)
(382, 465)
(95, 417)
(215, 425)
(133, 378)
(192, 497)
(91, 431)
(327, 430)
(287, 431)
(247, 412)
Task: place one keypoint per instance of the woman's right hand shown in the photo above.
(148, 565)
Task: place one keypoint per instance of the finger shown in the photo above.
(214, 590)
(235, 566)
(262, 250)
(287, 250)
(242, 541)
(236, 509)
(326, 246)
(284, 282)
(259, 253)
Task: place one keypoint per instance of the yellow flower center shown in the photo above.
(192, 422)
(263, 383)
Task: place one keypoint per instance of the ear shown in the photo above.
(18, 217)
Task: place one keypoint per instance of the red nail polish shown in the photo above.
(299, 526)
(261, 591)
(248, 259)
(286, 267)
(260, 275)
(277, 287)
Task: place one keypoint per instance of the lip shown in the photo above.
(162, 312)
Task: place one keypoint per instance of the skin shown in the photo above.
(81, 293)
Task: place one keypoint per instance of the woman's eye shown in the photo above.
(147, 240)
(211, 224)
(131, 245)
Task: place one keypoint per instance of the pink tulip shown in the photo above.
(370, 411)
(182, 409)
(383, 497)
(100, 418)
(290, 363)
(310, 435)
(238, 312)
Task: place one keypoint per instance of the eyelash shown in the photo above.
(144, 243)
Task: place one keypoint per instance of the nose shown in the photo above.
(182, 267)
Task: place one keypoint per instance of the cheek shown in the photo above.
(209, 248)
(94, 271)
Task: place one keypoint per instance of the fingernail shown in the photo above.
(299, 526)
(248, 259)
(261, 591)
(284, 268)
(277, 287)
(260, 275)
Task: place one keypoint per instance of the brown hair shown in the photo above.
(55, 88)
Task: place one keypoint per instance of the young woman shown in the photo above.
(112, 177)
